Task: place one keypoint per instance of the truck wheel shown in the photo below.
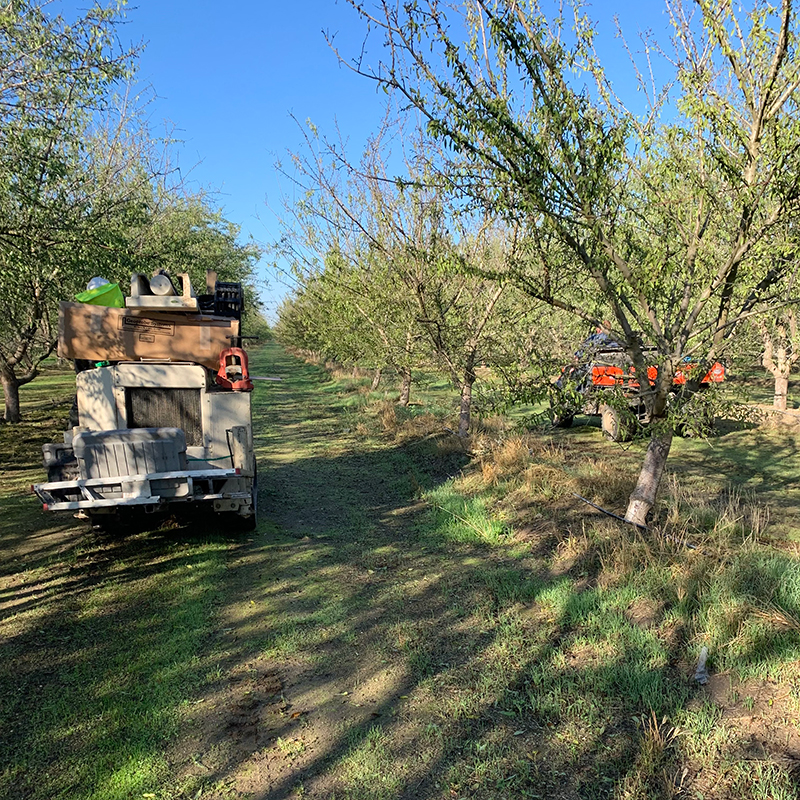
(613, 425)
(564, 421)
(250, 523)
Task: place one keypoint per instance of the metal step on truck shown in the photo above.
(163, 405)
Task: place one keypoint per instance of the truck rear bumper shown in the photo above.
(154, 489)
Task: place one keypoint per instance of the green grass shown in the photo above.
(369, 768)
(93, 676)
(444, 623)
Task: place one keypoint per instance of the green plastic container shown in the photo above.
(109, 294)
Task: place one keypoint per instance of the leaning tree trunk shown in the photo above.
(466, 403)
(376, 379)
(781, 392)
(11, 395)
(405, 387)
(643, 497)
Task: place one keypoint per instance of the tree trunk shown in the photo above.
(405, 387)
(376, 379)
(466, 404)
(643, 497)
(781, 392)
(11, 395)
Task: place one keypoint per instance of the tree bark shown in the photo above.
(11, 396)
(466, 404)
(643, 497)
(780, 354)
(781, 392)
(376, 379)
(405, 387)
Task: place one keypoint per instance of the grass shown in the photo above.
(369, 769)
(93, 674)
(412, 618)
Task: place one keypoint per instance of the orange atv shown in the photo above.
(607, 368)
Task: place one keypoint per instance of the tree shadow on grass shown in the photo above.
(413, 666)
(102, 642)
(97, 625)
(763, 460)
(475, 700)
(347, 648)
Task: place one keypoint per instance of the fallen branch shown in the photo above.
(610, 513)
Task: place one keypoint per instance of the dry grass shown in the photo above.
(493, 425)
(386, 413)
(335, 369)
(309, 356)
(523, 459)
(504, 459)
(656, 774)
(343, 372)
(420, 426)
(770, 418)
(711, 521)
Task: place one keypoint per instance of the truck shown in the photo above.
(603, 367)
(163, 396)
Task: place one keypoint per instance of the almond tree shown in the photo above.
(349, 298)
(403, 259)
(665, 216)
(58, 191)
(348, 310)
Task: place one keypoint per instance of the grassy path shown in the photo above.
(334, 599)
(382, 635)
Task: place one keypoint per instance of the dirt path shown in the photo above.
(323, 619)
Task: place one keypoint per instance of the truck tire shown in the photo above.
(250, 523)
(613, 424)
(563, 421)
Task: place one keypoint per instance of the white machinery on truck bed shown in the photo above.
(157, 426)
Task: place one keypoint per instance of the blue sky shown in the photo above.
(229, 76)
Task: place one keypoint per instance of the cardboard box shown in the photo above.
(100, 333)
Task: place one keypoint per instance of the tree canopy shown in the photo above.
(85, 187)
(676, 220)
